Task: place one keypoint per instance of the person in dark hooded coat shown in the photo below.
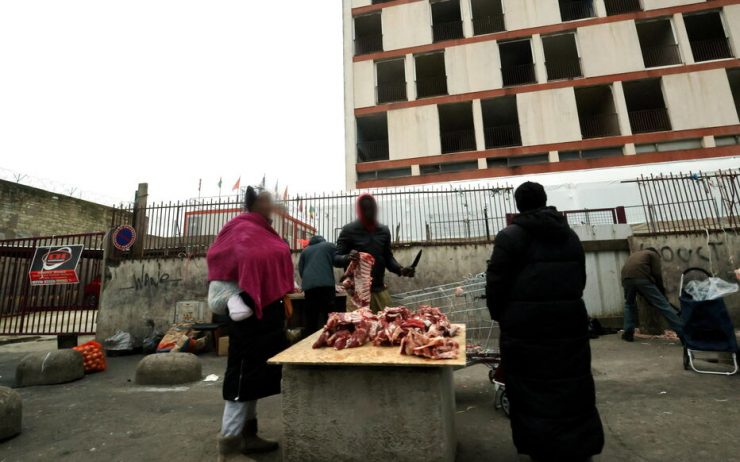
(535, 283)
(316, 267)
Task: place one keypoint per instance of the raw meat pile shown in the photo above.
(358, 280)
(425, 332)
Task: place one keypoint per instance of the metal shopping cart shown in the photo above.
(464, 302)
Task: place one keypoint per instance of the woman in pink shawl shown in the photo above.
(250, 253)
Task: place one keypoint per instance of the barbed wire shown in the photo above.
(58, 187)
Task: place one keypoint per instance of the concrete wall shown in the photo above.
(358, 3)
(363, 73)
(611, 48)
(350, 129)
(549, 116)
(413, 132)
(521, 14)
(732, 24)
(655, 4)
(698, 99)
(473, 67)
(407, 25)
(720, 254)
(30, 212)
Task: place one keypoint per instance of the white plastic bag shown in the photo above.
(120, 341)
(710, 289)
(219, 293)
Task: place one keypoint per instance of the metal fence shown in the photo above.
(691, 202)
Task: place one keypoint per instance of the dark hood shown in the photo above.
(316, 240)
(546, 223)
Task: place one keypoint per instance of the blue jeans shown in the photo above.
(654, 297)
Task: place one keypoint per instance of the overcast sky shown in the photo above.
(102, 95)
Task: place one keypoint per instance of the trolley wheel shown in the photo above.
(686, 364)
(503, 400)
(491, 374)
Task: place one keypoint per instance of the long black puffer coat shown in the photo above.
(535, 283)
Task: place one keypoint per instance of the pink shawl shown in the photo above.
(250, 252)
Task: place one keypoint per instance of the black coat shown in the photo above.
(251, 343)
(355, 236)
(535, 283)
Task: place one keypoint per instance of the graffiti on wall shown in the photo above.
(707, 252)
(143, 280)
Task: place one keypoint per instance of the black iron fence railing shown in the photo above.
(590, 217)
(368, 151)
(599, 125)
(664, 55)
(502, 136)
(488, 24)
(447, 30)
(573, 10)
(520, 74)
(563, 69)
(431, 86)
(365, 44)
(706, 50)
(458, 141)
(650, 120)
(614, 7)
(387, 92)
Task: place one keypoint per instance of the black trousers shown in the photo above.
(319, 303)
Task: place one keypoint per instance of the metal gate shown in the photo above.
(55, 309)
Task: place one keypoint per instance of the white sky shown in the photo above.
(103, 95)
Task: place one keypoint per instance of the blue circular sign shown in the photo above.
(124, 237)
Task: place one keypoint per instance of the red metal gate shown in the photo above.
(49, 310)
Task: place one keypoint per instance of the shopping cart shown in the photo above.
(464, 302)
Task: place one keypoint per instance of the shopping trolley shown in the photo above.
(464, 302)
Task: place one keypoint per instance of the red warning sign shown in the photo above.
(54, 265)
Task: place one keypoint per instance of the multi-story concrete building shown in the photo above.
(442, 90)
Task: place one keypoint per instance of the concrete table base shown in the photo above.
(368, 413)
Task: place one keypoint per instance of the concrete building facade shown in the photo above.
(444, 90)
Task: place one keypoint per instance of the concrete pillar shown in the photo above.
(682, 38)
(415, 170)
(553, 156)
(600, 8)
(410, 70)
(538, 53)
(480, 136)
(708, 142)
(629, 149)
(482, 164)
(620, 105)
(467, 17)
(139, 219)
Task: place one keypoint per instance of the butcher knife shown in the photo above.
(416, 260)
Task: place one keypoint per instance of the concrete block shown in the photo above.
(368, 413)
(168, 369)
(49, 368)
(10, 413)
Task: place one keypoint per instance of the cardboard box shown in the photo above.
(223, 346)
(193, 311)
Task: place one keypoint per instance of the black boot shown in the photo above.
(253, 443)
(628, 336)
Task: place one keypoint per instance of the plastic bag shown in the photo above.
(219, 293)
(710, 289)
(151, 341)
(120, 341)
(93, 355)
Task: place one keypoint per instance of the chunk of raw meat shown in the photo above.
(358, 280)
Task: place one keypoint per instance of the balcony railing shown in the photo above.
(447, 30)
(457, 141)
(573, 10)
(391, 91)
(563, 69)
(431, 86)
(665, 55)
(488, 24)
(650, 120)
(599, 125)
(519, 74)
(368, 151)
(621, 6)
(368, 44)
(706, 50)
(502, 136)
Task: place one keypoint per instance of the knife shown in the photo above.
(416, 260)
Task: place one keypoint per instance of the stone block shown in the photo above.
(168, 369)
(10, 413)
(49, 368)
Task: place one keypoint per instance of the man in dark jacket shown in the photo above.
(316, 267)
(367, 235)
(535, 282)
(642, 274)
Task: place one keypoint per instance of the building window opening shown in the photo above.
(645, 106)
(431, 77)
(372, 138)
(375, 2)
(586, 154)
(384, 174)
(707, 36)
(517, 65)
(596, 112)
(446, 20)
(368, 34)
(501, 122)
(456, 128)
(571, 10)
(561, 57)
(488, 16)
(733, 75)
(658, 43)
(449, 167)
(614, 7)
(391, 80)
(532, 159)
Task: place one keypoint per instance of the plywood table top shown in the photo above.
(303, 353)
